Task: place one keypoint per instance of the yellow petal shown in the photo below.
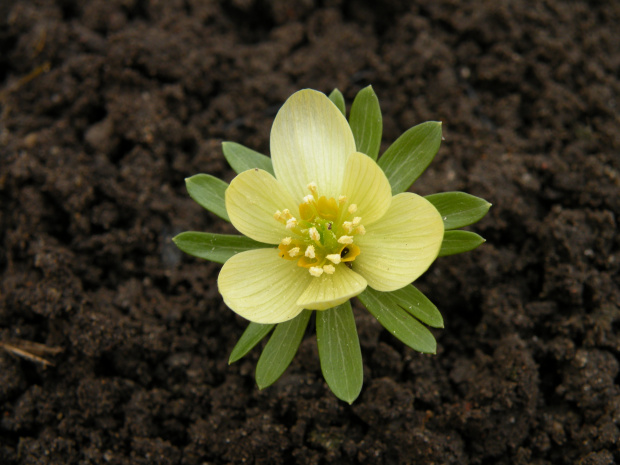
(329, 290)
(251, 200)
(366, 186)
(310, 142)
(261, 287)
(401, 246)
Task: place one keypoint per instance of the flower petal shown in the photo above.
(327, 291)
(251, 200)
(396, 250)
(310, 142)
(261, 287)
(366, 185)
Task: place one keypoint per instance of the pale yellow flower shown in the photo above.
(331, 212)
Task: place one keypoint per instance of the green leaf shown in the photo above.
(398, 322)
(280, 350)
(366, 122)
(215, 247)
(459, 209)
(253, 334)
(458, 242)
(407, 158)
(241, 158)
(416, 303)
(337, 98)
(208, 191)
(339, 351)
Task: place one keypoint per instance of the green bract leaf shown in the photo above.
(241, 158)
(208, 192)
(339, 351)
(398, 322)
(338, 99)
(416, 303)
(459, 209)
(215, 247)
(280, 350)
(253, 334)
(366, 122)
(407, 158)
(458, 242)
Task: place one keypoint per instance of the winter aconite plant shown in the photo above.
(322, 222)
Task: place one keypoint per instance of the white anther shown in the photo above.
(314, 234)
(316, 271)
(312, 187)
(277, 215)
(310, 251)
(334, 258)
(329, 269)
(291, 223)
(356, 221)
(286, 241)
(345, 240)
(361, 230)
(286, 213)
(309, 199)
(342, 199)
(352, 208)
(348, 226)
(294, 251)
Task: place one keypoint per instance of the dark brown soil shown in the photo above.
(107, 105)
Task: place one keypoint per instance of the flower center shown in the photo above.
(322, 238)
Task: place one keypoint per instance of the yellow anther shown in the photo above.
(310, 252)
(361, 230)
(286, 241)
(347, 226)
(345, 240)
(314, 234)
(329, 269)
(316, 271)
(334, 258)
(356, 221)
(294, 251)
(352, 208)
(291, 223)
(286, 213)
(342, 199)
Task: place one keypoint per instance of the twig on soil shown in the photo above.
(32, 351)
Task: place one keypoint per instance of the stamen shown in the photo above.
(345, 240)
(294, 252)
(286, 241)
(316, 271)
(291, 223)
(312, 187)
(309, 199)
(342, 199)
(352, 208)
(314, 234)
(361, 230)
(347, 226)
(356, 221)
(329, 269)
(310, 252)
(279, 217)
(334, 258)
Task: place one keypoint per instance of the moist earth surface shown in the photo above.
(108, 105)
